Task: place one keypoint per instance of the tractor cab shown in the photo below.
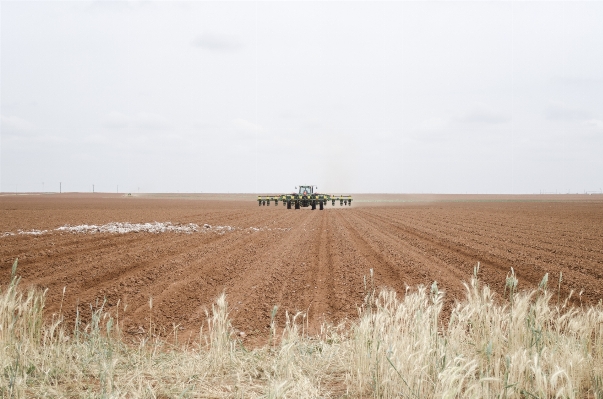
(306, 190)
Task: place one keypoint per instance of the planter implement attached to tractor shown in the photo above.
(305, 197)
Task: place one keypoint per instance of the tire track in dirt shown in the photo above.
(137, 266)
(414, 259)
(445, 249)
(513, 232)
(319, 280)
(203, 270)
(132, 264)
(345, 272)
(529, 260)
(129, 250)
(277, 278)
(526, 249)
(67, 247)
(386, 273)
(296, 275)
(324, 299)
(202, 279)
(519, 252)
(497, 256)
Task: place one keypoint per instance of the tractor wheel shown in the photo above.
(297, 205)
(260, 203)
(313, 205)
(321, 205)
(288, 204)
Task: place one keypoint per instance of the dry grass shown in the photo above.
(524, 345)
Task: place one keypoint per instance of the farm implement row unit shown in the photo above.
(305, 197)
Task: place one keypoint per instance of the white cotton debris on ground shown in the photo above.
(155, 227)
(32, 232)
(25, 232)
(123, 228)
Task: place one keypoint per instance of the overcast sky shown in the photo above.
(400, 97)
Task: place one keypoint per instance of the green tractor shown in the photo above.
(305, 197)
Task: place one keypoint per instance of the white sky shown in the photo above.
(401, 97)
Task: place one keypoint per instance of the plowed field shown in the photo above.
(313, 261)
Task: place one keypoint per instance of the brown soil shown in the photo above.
(302, 260)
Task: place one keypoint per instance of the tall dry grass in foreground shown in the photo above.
(523, 345)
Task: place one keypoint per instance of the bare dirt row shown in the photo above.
(303, 260)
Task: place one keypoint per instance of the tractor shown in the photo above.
(305, 197)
